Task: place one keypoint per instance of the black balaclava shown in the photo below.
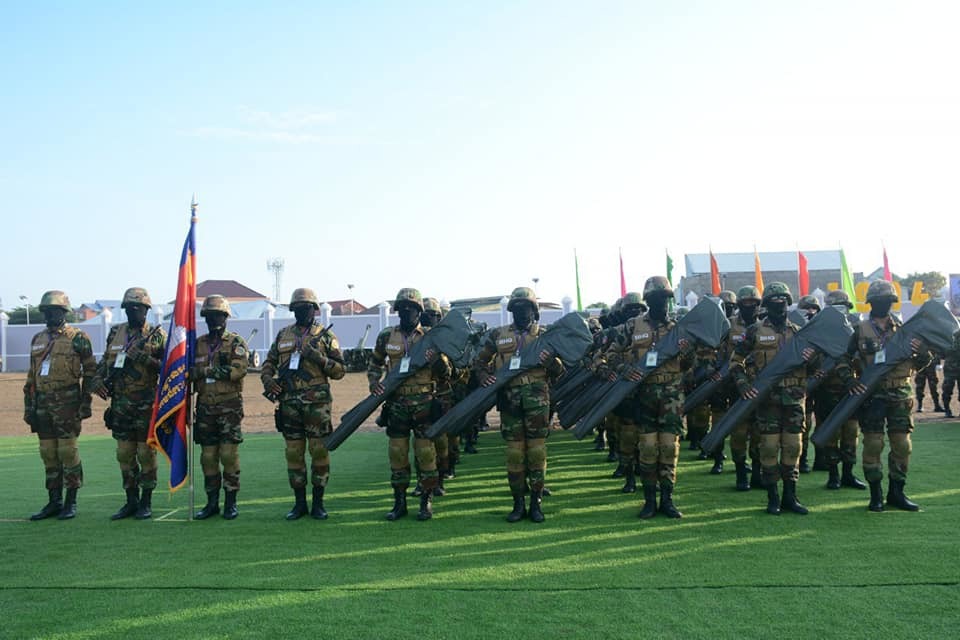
(748, 312)
(216, 323)
(776, 310)
(729, 308)
(430, 318)
(657, 303)
(632, 311)
(136, 315)
(304, 312)
(55, 317)
(523, 315)
(880, 307)
(409, 316)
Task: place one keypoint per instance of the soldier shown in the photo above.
(928, 377)
(56, 399)
(409, 409)
(220, 366)
(654, 409)
(809, 306)
(713, 360)
(524, 403)
(951, 374)
(779, 417)
(128, 375)
(890, 405)
(828, 395)
(442, 402)
(302, 360)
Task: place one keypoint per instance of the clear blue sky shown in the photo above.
(465, 148)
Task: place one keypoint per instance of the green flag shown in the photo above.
(576, 271)
(846, 278)
(669, 269)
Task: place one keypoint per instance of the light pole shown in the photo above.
(26, 303)
(350, 286)
(535, 281)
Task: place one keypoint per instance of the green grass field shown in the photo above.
(591, 570)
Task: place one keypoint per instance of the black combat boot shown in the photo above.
(743, 479)
(667, 507)
(773, 500)
(452, 471)
(417, 491)
(69, 509)
(876, 496)
(426, 506)
(718, 459)
(439, 491)
(936, 403)
(519, 508)
(804, 465)
(53, 506)
(130, 508)
(299, 504)
(790, 502)
(820, 459)
(620, 471)
(919, 405)
(212, 507)
(318, 512)
(230, 511)
(895, 497)
(470, 447)
(833, 480)
(144, 510)
(649, 502)
(399, 504)
(847, 479)
(536, 510)
(756, 474)
(630, 477)
(598, 443)
(947, 413)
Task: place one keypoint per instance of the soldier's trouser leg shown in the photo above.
(127, 459)
(628, 441)
(69, 457)
(849, 440)
(230, 459)
(147, 457)
(399, 453)
(536, 458)
(516, 460)
(52, 469)
(319, 462)
(738, 442)
(872, 450)
(668, 452)
(210, 461)
(698, 422)
(769, 458)
(716, 415)
(649, 451)
(426, 453)
(899, 457)
(295, 452)
(790, 449)
(441, 445)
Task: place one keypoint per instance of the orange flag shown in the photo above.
(803, 274)
(757, 272)
(714, 275)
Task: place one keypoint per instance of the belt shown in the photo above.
(793, 382)
(894, 382)
(526, 379)
(410, 389)
(660, 378)
(219, 397)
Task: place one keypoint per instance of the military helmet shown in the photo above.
(838, 297)
(55, 299)
(432, 304)
(304, 294)
(616, 306)
(656, 284)
(881, 289)
(748, 292)
(728, 297)
(632, 299)
(776, 289)
(136, 295)
(215, 303)
(522, 294)
(408, 294)
(808, 302)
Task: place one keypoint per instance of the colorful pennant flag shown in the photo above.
(669, 269)
(757, 272)
(803, 274)
(576, 271)
(846, 279)
(886, 267)
(623, 280)
(714, 275)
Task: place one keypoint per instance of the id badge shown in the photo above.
(121, 358)
(404, 364)
(209, 380)
(880, 357)
(45, 367)
(651, 358)
(514, 363)
(295, 361)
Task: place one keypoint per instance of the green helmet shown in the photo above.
(839, 297)
(881, 289)
(523, 294)
(808, 302)
(304, 294)
(136, 295)
(748, 292)
(656, 284)
(408, 294)
(55, 299)
(215, 303)
(776, 289)
(728, 297)
(432, 304)
(632, 299)
(616, 306)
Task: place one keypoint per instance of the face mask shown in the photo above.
(880, 308)
(54, 317)
(522, 316)
(776, 310)
(429, 318)
(304, 313)
(409, 317)
(729, 309)
(748, 313)
(216, 322)
(632, 311)
(658, 307)
(136, 315)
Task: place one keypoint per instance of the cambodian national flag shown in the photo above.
(168, 424)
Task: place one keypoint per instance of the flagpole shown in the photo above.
(189, 403)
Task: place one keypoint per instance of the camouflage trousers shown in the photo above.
(408, 415)
(525, 425)
(305, 420)
(655, 411)
(890, 408)
(926, 377)
(698, 423)
(138, 464)
(218, 423)
(56, 414)
(128, 417)
(951, 379)
(61, 463)
(743, 437)
(843, 445)
(780, 423)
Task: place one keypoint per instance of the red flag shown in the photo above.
(714, 275)
(803, 274)
(886, 267)
(623, 281)
(757, 272)
(168, 423)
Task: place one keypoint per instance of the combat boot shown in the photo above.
(936, 404)
(426, 506)
(212, 507)
(439, 491)
(598, 443)
(417, 490)
(144, 510)
(612, 455)
(299, 504)
(718, 459)
(947, 413)
(536, 510)
(804, 465)
(452, 471)
(756, 474)
(519, 509)
(318, 512)
(833, 480)
(630, 484)
(620, 471)
(850, 480)
(470, 447)
(820, 459)
(790, 502)
(130, 508)
(230, 511)
(667, 507)
(919, 405)
(53, 506)
(876, 496)
(649, 502)
(895, 497)
(743, 479)
(69, 510)
(399, 504)
(773, 500)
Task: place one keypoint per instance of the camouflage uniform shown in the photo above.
(56, 399)
(725, 398)
(129, 372)
(810, 307)
(304, 360)
(951, 373)
(927, 377)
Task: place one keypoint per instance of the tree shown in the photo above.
(19, 316)
(933, 282)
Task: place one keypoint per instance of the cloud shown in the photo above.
(285, 121)
(290, 127)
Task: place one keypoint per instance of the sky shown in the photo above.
(468, 148)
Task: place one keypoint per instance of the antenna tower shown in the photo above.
(276, 266)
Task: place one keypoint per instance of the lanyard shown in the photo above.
(519, 336)
(131, 337)
(406, 344)
(215, 349)
(51, 337)
(300, 337)
(881, 334)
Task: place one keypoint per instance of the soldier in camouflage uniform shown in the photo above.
(302, 360)
(780, 419)
(721, 400)
(655, 409)
(56, 398)
(951, 374)
(809, 306)
(827, 396)
(927, 377)
(128, 374)
(524, 403)
(220, 366)
(410, 408)
(442, 401)
(891, 403)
